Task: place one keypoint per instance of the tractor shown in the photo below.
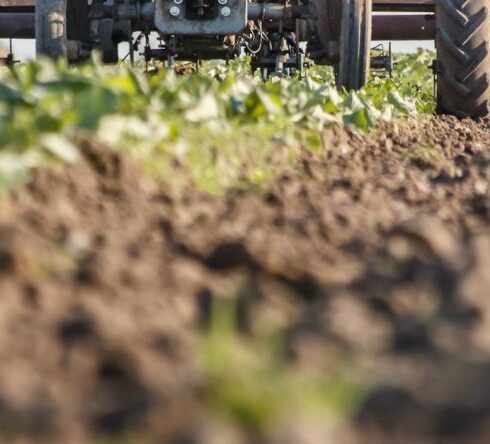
(280, 36)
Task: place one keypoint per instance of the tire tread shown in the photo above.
(462, 41)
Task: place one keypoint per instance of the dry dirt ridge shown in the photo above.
(377, 247)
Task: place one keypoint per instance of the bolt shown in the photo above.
(225, 12)
(174, 11)
(178, 2)
(222, 2)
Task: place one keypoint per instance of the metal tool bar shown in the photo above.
(13, 6)
(404, 5)
(404, 27)
(17, 3)
(409, 3)
(17, 25)
(385, 27)
(271, 11)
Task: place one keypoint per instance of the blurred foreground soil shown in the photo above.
(373, 256)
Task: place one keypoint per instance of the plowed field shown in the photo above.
(346, 303)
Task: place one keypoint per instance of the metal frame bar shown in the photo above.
(404, 27)
(17, 3)
(17, 6)
(17, 19)
(404, 5)
(17, 25)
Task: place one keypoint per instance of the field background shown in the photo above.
(211, 259)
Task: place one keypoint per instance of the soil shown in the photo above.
(375, 250)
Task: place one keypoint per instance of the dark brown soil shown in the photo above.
(375, 250)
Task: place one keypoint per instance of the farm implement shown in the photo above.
(278, 35)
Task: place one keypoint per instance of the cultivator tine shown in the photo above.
(9, 59)
(433, 68)
(381, 61)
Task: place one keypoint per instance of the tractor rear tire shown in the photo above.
(463, 57)
(51, 29)
(355, 44)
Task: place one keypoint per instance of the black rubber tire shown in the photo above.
(51, 29)
(355, 44)
(463, 57)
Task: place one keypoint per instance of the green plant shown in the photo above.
(223, 126)
(253, 382)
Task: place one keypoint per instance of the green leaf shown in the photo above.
(59, 147)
